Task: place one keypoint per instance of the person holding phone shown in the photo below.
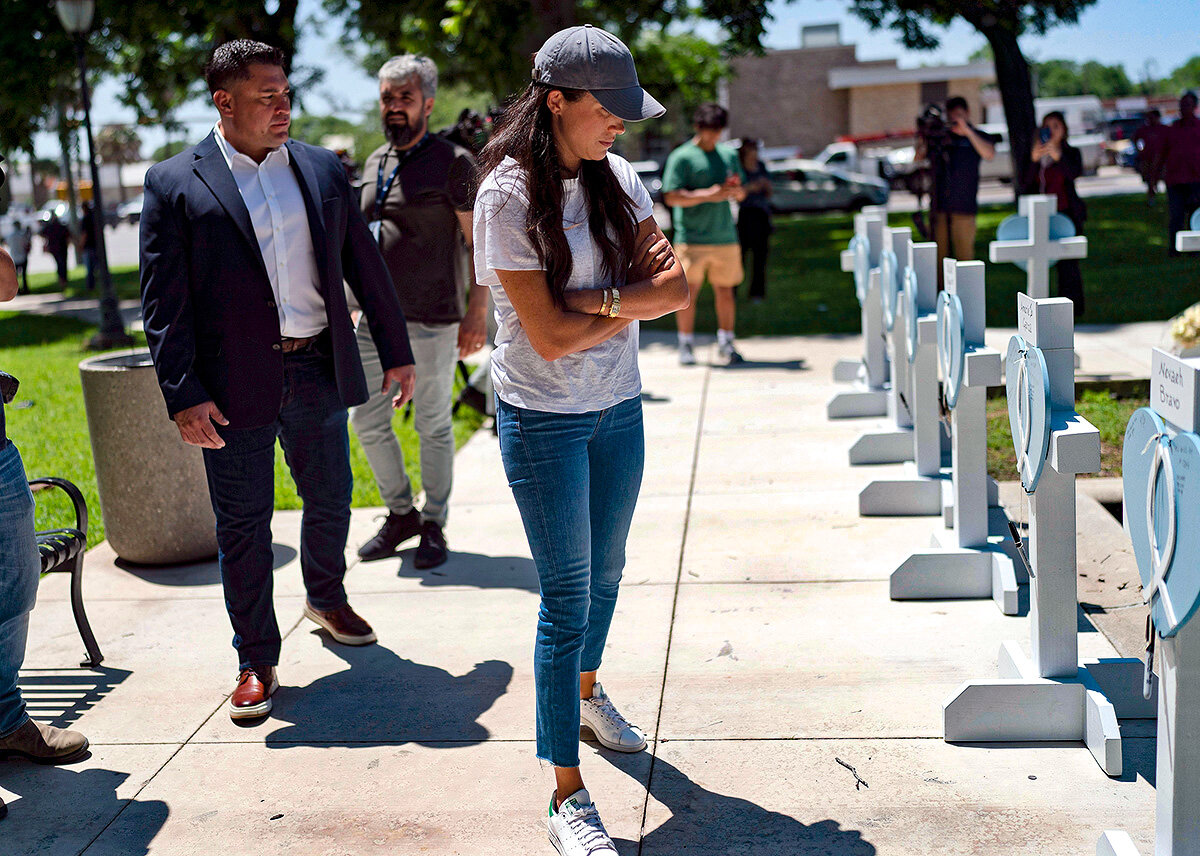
(565, 238)
(700, 180)
(1054, 166)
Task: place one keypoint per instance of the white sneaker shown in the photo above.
(686, 356)
(611, 729)
(575, 829)
(729, 354)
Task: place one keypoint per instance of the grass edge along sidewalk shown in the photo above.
(48, 422)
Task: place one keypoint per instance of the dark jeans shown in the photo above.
(754, 234)
(60, 261)
(241, 480)
(1182, 200)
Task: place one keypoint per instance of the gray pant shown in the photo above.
(435, 349)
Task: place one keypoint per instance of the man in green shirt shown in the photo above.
(701, 178)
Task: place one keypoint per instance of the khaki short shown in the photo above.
(720, 263)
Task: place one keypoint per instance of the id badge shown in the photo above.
(375, 226)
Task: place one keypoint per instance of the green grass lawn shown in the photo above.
(51, 431)
(1107, 412)
(125, 280)
(1127, 275)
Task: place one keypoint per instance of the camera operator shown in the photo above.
(954, 149)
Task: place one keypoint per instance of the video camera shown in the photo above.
(932, 128)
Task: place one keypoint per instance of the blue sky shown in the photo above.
(1113, 31)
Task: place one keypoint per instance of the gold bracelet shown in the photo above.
(604, 303)
(615, 310)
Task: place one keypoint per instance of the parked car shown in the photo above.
(130, 211)
(891, 163)
(805, 185)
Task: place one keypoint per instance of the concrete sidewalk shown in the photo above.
(754, 641)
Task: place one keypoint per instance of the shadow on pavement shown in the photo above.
(62, 810)
(703, 821)
(197, 573)
(473, 569)
(59, 697)
(384, 699)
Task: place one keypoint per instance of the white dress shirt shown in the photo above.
(272, 196)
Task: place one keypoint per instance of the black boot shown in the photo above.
(397, 529)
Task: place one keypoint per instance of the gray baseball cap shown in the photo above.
(590, 58)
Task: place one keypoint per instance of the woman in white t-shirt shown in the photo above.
(566, 239)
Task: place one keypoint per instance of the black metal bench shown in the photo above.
(61, 551)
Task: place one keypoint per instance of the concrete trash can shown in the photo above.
(153, 491)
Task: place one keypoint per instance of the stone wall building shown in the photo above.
(811, 96)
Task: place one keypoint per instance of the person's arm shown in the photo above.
(656, 285)
(553, 331)
(367, 275)
(8, 277)
(167, 318)
(982, 143)
(472, 332)
(692, 198)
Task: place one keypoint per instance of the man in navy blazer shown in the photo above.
(245, 242)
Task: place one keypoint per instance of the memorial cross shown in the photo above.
(869, 374)
(1038, 250)
(1161, 464)
(972, 563)
(1189, 242)
(893, 444)
(919, 491)
(1051, 697)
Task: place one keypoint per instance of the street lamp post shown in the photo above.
(76, 18)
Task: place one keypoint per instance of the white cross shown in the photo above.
(1038, 250)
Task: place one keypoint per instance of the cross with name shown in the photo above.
(1162, 515)
(1051, 696)
(1038, 251)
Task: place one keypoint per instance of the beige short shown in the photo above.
(720, 263)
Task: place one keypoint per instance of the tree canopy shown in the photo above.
(488, 44)
(1002, 23)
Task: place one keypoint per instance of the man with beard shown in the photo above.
(417, 197)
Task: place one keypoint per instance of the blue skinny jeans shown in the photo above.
(575, 477)
(19, 567)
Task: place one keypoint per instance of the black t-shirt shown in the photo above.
(419, 234)
(957, 176)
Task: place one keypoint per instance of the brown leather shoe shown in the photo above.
(343, 624)
(252, 698)
(44, 744)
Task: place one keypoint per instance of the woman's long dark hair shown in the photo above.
(525, 135)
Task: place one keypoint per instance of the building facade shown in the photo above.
(811, 96)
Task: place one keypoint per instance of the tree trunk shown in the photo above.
(549, 16)
(1016, 93)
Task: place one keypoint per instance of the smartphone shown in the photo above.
(1044, 135)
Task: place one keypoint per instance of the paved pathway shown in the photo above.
(754, 640)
